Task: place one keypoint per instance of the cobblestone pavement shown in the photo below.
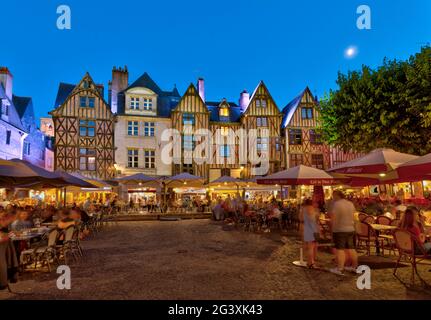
(200, 259)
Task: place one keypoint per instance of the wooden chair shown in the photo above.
(366, 236)
(384, 220)
(369, 220)
(410, 247)
(362, 216)
(42, 253)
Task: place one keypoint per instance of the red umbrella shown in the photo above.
(378, 161)
(417, 169)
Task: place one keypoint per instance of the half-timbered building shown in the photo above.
(303, 141)
(84, 130)
(262, 113)
(191, 114)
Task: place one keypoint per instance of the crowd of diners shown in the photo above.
(15, 220)
(341, 213)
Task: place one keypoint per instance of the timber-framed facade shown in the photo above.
(84, 130)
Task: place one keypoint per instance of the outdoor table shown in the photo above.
(382, 227)
(379, 228)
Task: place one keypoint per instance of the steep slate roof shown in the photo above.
(214, 108)
(64, 90)
(14, 118)
(292, 106)
(166, 100)
(145, 81)
(21, 104)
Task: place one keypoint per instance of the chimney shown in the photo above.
(101, 89)
(119, 82)
(6, 79)
(201, 88)
(244, 100)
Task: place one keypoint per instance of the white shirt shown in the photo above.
(344, 216)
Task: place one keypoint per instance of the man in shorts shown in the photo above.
(343, 228)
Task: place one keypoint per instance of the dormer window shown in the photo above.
(224, 112)
(261, 103)
(148, 104)
(134, 103)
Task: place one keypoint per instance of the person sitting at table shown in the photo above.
(65, 219)
(22, 221)
(412, 224)
(47, 215)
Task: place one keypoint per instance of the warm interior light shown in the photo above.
(225, 183)
(382, 174)
(185, 182)
(242, 167)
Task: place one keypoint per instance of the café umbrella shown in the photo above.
(140, 179)
(228, 182)
(16, 172)
(376, 164)
(183, 180)
(302, 175)
(416, 169)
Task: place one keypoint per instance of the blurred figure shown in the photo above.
(343, 228)
(309, 217)
(22, 221)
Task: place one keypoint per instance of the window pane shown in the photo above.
(83, 101)
(91, 102)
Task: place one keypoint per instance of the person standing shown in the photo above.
(309, 217)
(343, 228)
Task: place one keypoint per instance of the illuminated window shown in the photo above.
(224, 112)
(132, 158)
(150, 159)
(87, 159)
(148, 104)
(149, 129)
(132, 128)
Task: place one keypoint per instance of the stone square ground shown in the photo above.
(202, 259)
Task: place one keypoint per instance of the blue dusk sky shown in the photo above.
(233, 44)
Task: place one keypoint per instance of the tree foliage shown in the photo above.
(388, 107)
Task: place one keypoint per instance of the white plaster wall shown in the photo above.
(15, 148)
(123, 142)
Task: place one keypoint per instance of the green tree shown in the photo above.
(388, 107)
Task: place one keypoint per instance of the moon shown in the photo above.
(351, 52)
